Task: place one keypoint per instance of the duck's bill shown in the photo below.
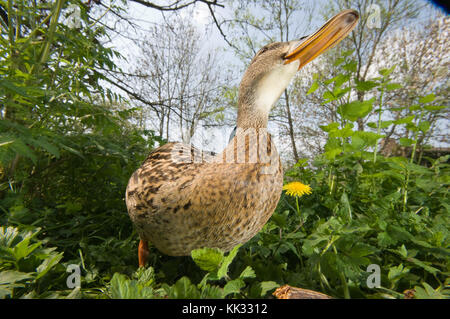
(329, 35)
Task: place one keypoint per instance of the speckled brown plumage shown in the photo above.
(183, 206)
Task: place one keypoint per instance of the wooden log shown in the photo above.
(288, 292)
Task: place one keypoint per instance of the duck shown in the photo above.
(182, 198)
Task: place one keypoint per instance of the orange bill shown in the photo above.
(329, 35)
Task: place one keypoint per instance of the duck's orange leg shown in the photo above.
(143, 253)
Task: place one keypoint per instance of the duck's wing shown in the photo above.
(180, 201)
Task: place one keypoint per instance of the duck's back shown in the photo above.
(180, 201)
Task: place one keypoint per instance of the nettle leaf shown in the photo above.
(366, 138)
(424, 126)
(328, 96)
(10, 279)
(435, 107)
(208, 259)
(392, 86)
(386, 124)
(406, 141)
(248, 272)
(415, 107)
(340, 79)
(427, 99)
(383, 124)
(182, 289)
(23, 249)
(427, 293)
(346, 131)
(123, 288)
(404, 120)
(313, 87)
(330, 127)
(11, 276)
(48, 264)
(386, 72)
(233, 286)
(332, 153)
(384, 240)
(412, 127)
(423, 265)
(223, 270)
(365, 85)
(397, 271)
(339, 61)
(351, 66)
(356, 109)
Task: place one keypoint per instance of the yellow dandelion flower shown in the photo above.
(297, 189)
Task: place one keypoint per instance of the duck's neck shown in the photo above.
(257, 95)
(251, 116)
(254, 106)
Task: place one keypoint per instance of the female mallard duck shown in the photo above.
(182, 199)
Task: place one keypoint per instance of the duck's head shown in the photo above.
(273, 67)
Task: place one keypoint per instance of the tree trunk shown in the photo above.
(291, 127)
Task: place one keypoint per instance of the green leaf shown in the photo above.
(208, 259)
(406, 141)
(339, 61)
(183, 289)
(22, 250)
(313, 88)
(427, 99)
(350, 66)
(423, 265)
(415, 107)
(332, 153)
(20, 148)
(267, 286)
(386, 124)
(233, 286)
(346, 131)
(356, 109)
(396, 272)
(48, 264)
(386, 72)
(424, 126)
(328, 96)
(9, 86)
(402, 250)
(435, 107)
(393, 86)
(124, 288)
(248, 272)
(427, 293)
(329, 127)
(8, 235)
(405, 120)
(10, 279)
(223, 270)
(362, 139)
(50, 148)
(11, 276)
(346, 203)
(365, 85)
